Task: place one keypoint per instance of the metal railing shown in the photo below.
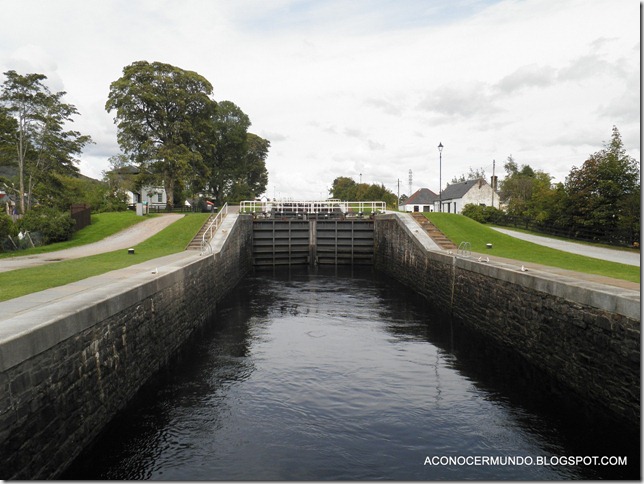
(212, 228)
(304, 207)
(464, 249)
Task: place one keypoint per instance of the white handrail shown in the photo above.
(310, 206)
(210, 231)
(464, 249)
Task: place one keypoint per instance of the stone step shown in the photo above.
(436, 235)
(195, 243)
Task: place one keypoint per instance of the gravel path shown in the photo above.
(121, 240)
(621, 256)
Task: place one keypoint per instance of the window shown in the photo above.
(160, 197)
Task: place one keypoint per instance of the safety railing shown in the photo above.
(211, 229)
(269, 208)
(464, 249)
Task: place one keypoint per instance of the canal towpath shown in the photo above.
(122, 240)
(613, 255)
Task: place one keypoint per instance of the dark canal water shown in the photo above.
(346, 376)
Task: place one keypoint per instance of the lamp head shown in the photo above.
(440, 146)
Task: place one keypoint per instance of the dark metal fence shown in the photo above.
(82, 215)
(625, 237)
(181, 209)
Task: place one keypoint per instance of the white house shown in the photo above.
(477, 192)
(151, 196)
(423, 200)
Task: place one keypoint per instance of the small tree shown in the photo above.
(604, 194)
(482, 214)
(526, 191)
(54, 226)
(7, 226)
(471, 175)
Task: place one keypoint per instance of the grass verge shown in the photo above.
(566, 239)
(103, 225)
(459, 228)
(170, 240)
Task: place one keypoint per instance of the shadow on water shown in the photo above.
(566, 425)
(143, 442)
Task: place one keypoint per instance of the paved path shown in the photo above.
(621, 256)
(121, 240)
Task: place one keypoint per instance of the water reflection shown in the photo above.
(340, 375)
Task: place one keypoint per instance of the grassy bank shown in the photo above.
(459, 228)
(103, 225)
(172, 239)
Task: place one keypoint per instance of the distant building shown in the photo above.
(152, 196)
(477, 192)
(423, 200)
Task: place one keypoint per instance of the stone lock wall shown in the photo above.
(585, 336)
(62, 382)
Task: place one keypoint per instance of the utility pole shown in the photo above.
(410, 177)
(440, 174)
(398, 192)
(493, 181)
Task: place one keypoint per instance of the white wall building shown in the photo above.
(151, 196)
(477, 192)
(423, 200)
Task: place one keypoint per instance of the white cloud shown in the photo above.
(342, 88)
(525, 77)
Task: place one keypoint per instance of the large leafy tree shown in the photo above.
(163, 116)
(526, 191)
(237, 158)
(229, 130)
(41, 144)
(251, 180)
(53, 147)
(604, 193)
(8, 134)
(345, 188)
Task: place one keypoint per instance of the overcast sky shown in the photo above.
(359, 88)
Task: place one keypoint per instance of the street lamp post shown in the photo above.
(440, 176)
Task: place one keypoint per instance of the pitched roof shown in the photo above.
(458, 190)
(423, 196)
(127, 170)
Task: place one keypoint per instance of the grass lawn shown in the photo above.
(172, 239)
(459, 228)
(103, 225)
(566, 239)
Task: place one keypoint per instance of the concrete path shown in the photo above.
(121, 240)
(613, 255)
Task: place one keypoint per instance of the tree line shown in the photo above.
(345, 188)
(169, 127)
(600, 200)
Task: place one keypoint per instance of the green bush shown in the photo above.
(54, 226)
(482, 214)
(7, 226)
